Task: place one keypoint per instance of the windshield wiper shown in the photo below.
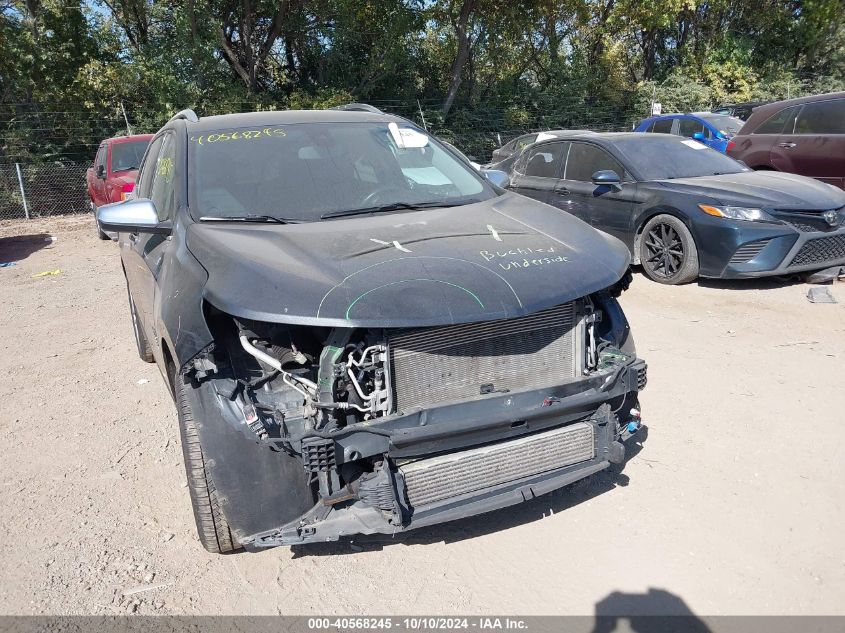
(395, 206)
(249, 218)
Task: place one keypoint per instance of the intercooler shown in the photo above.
(458, 362)
(429, 481)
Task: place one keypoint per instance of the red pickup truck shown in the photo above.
(112, 176)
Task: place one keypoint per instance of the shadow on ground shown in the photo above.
(767, 283)
(14, 249)
(762, 283)
(472, 527)
(656, 611)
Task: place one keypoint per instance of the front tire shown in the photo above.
(100, 233)
(212, 527)
(667, 251)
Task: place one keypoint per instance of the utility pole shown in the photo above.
(422, 116)
(23, 192)
(126, 119)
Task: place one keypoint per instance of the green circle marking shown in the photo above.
(402, 281)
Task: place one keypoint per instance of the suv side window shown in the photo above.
(525, 141)
(782, 122)
(663, 126)
(586, 159)
(544, 161)
(100, 159)
(163, 190)
(147, 169)
(689, 127)
(822, 117)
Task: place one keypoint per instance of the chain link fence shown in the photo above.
(36, 191)
(43, 166)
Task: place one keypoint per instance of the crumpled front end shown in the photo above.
(395, 429)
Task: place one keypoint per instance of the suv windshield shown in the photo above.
(727, 125)
(303, 171)
(127, 155)
(663, 158)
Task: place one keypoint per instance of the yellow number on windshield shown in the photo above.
(223, 136)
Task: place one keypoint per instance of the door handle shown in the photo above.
(786, 145)
(133, 237)
(562, 191)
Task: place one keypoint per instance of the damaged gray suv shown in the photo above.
(362, 333)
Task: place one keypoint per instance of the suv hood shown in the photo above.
(766, 189)
(496, 259)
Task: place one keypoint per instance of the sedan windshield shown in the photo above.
(304, 171)
(658, 157)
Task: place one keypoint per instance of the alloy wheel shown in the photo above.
(665, 251)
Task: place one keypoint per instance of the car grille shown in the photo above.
(459, 362)
(809, 221)
(820, 250)
(805, 227)
(747, 252)
(430, 481)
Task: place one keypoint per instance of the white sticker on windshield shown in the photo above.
(693, 144)
(406, 137)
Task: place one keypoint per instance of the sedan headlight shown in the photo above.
(737, 213)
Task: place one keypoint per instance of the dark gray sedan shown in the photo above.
(685, 210)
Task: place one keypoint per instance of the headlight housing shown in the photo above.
(737, 213)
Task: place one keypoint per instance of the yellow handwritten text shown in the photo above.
(223, 136)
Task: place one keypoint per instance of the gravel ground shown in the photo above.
(732, 504)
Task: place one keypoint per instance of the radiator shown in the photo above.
(458, 362)
(429, 481)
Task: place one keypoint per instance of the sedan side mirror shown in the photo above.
(698, 136)
(606, 177)
(101, 171)
(497, 177)
(132, 216)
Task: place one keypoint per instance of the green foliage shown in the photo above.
(68, 67)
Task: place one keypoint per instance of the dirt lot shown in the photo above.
(733, 505)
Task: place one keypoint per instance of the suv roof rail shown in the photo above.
(358, 107)
(186, 114)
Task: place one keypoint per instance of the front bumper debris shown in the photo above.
(434, 472)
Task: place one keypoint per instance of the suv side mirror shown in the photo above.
(132, 216)
(101, 171)
(497, 177)
(606, 177)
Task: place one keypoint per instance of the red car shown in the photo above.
(112, 176)
(803, 136)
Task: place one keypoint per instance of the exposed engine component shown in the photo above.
(364, 379)
(592, 317)
(459, 362)
(304, 386)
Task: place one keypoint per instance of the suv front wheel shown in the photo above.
(212, 527)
